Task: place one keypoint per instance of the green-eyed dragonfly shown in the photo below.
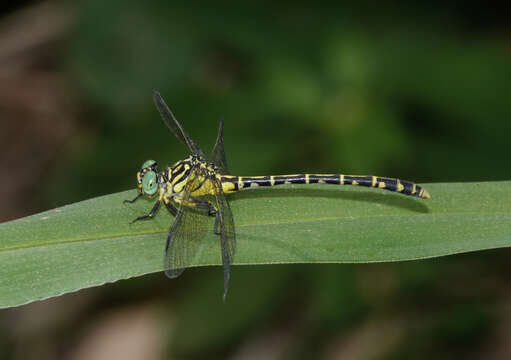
(194, 189)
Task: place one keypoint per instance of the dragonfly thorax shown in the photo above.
(195, 161)
(176, 176)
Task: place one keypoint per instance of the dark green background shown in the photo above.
(419, 92)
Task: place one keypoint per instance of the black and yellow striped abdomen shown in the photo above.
(235, 183)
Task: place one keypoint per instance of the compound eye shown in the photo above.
(149, 183)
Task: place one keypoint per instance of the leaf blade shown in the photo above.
(91, 242)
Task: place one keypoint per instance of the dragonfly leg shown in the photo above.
(212, 211)
(171, 207)
(151, 213)
(132, 201)
(215, 228)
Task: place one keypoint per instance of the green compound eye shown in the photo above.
(148, 164)
(149, 183)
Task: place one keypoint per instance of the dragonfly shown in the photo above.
(194, 189)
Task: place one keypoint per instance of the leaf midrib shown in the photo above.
(128, 235)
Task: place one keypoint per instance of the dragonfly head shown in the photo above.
(147, 178)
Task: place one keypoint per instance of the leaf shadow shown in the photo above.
(391, 199)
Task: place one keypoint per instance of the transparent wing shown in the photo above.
(218, 153)
(226, 230)
(188, 229)
(170, 120)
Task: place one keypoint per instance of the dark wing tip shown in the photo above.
(156, 95)
(221, 126)
(173, 273)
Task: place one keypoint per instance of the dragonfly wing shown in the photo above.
(227, 234)
(170, 120)
(188, 229)
(218, 154)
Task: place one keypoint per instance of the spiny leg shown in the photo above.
(151, 213)
(212, 211)
(215, 228)
(132, 201)
(173, 210)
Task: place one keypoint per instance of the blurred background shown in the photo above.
(401, 89)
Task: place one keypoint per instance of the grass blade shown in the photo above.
(91, 242)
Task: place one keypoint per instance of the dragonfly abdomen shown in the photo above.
(234, 183)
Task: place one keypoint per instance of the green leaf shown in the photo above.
(91, 242)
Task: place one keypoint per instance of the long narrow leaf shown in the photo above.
(91, 242)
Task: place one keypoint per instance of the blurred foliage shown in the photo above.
(299, 87)
(417, 91)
